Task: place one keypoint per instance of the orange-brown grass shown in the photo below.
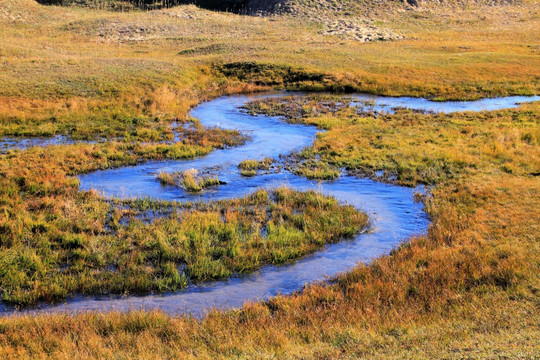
(468, 289)
(56, 241)
(146, 117)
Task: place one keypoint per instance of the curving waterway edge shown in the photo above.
(394, 214)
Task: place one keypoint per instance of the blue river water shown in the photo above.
(394, 214)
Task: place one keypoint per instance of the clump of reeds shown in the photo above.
(190, 180)
(250, 167)
(317, 170)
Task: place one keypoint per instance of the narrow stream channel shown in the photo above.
(394, 213)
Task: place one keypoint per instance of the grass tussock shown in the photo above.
(189, 180)
(249, 168)
(317, 170)
(468, 289)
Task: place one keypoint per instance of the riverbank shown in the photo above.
(468, 289)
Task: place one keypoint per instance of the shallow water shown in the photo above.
(387, 104)
(9, 143)
(395, 215)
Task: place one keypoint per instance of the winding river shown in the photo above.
(394, 213)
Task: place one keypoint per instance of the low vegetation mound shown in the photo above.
(250, 167)
(190, 180)
(178, 244)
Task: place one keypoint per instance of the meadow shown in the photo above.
(469, 288)
(54, 252)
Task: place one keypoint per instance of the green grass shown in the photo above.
(468, 289)
(189, 180)
(249, 168)
(55, 257)
(192, 183)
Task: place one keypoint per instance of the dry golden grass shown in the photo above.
(469, 289)
(409, 148)
(134, 61)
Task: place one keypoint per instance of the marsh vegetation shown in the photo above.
(468, 288)
(112, 251)
(410, 147)
(249, 167)
(190, 180)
